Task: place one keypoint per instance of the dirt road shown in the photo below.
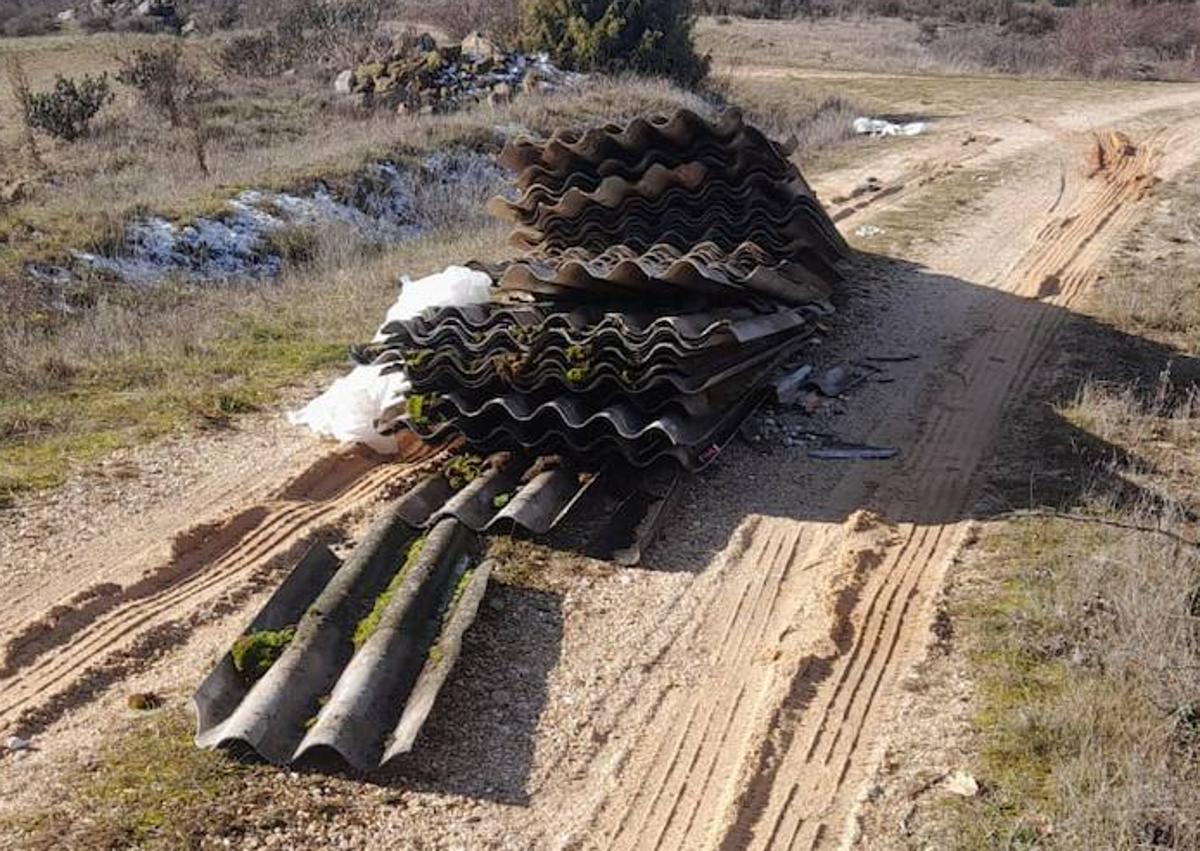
(735, 693)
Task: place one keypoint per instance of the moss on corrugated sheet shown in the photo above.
(367, 626)
(255, 652)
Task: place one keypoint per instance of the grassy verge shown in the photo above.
(140, 365)
(152, 788)
(1082, 629)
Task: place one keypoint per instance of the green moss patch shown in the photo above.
(367, 626)
(255, 652)
(151, 788)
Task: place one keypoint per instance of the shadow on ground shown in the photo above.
(479, 741)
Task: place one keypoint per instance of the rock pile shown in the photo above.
(419, 76)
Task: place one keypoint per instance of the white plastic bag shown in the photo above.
(881, 127)
(456, 285)
(347, 411)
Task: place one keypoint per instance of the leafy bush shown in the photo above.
(645, 36)
(66, 112)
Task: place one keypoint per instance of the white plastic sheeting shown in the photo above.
(348, 410)
(881, 127)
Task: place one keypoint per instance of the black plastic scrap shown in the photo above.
(852, 452)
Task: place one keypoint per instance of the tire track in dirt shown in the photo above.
(208, 563)
(813, 791)
(773, 744)
(895, 190)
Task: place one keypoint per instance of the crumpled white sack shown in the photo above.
(456, 285)
(881, 127)
(347, 411)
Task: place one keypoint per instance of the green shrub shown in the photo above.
(644, 36)
(66, 111)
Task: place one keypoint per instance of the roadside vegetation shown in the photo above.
(153, 788)
(1082, 626)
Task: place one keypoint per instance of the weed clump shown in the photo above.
(577, 375)
(414, 406)
(367, 626)
(144, 701)
(463, 470)
(436, 654)
(255, 652)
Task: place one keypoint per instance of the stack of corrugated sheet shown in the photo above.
(669, 266)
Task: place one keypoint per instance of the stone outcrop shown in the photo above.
(421, 76)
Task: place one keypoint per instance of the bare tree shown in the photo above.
(18, 81)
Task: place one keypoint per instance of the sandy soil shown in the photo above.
(737, 691)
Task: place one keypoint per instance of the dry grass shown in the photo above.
(1084, 647)
(281, 132)
(869, 44)
(153, 788)
(140, 364)
(1119, 40)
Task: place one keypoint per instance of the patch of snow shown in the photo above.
(387, 204)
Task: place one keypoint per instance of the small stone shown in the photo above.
(962, 784)
(480, 47)
(16, 743)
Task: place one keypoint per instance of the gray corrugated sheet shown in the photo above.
(725, 162)
(600, 149)
(616, 192)
(324, 698)
(690, 428)
(492, 329)
(663, 271)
